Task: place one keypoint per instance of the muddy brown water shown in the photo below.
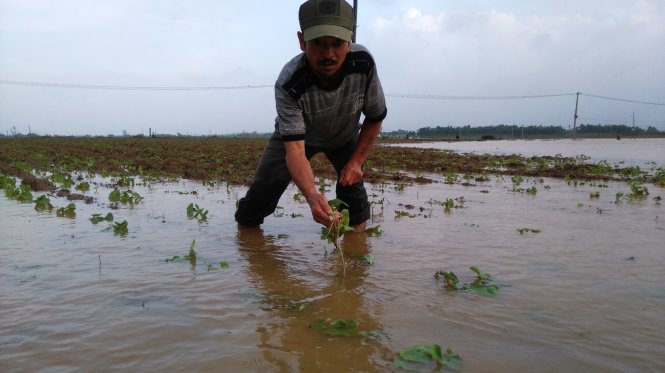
(585, 293)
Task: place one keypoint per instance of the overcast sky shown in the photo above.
(431, 48)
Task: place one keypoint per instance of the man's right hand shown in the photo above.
(321, 211)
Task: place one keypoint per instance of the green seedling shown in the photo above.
(7, 182)
(126, 196)
(194, 211)
(594, 195)
(483, 284)
(120, 228)
(212, 267)
(404, 214)
(638, 190)
(97, 218)
(336, 327)
(375, 231)
(415, 356)
(617, 197)
(43, 203)
(22, 193)
(68, 212)
(125, 181)
(532, 190)
(339, 225)
(524, 231)
(191, 255)
(83, 186)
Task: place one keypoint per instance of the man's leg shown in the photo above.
(270, 180)
(354, 195)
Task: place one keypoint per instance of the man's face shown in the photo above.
(325, 56)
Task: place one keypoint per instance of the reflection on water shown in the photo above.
(294, 298)
(585, 292)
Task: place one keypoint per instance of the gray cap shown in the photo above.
(326, 18)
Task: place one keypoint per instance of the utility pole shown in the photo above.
(577, 100)
(355, 20)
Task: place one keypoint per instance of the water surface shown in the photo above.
(629, 151)
(585, 293)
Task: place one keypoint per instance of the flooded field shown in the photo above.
(642, 152)
(580, 269)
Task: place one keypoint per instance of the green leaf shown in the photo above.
(223, 264)
(481, 275)
(192, 253)
(489, 290)
(336, 327)
(422, 353)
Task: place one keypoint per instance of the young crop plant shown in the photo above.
(339, 225)
(638, 189)
(23, 193)
(97, 218)
(127, 196)
(483, 284)
(659, 177)
(524, 231)
(194, 211)
(416, 357)
(69, 211)
(191, 255)
(7, 182)
(120, 228)
(83, 186)
(43, 203)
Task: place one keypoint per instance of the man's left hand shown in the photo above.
(351, 174)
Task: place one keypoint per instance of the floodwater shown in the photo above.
(582, 288)
(645, 153)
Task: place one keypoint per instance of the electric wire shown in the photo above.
(239, 87)
(131, 88)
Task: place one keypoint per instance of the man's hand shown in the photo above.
(321, 211)
(351, 174)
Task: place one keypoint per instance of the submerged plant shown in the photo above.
(413, 357)
(120, 228)
(96, 218)
(22, 193)
(191, 255)
(483, 284)
(126, 196)
(336, 327)
(68, 212)
(194, 211)
(83, 186)
(43, 203)
(638, 189)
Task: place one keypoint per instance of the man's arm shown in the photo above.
(301, 172)
(352, 171)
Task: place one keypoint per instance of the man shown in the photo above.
(320, 95)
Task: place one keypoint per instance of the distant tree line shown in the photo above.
(505, 131)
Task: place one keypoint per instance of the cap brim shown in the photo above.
(327, 30)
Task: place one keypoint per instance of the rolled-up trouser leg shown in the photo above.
(354, 195)
(270, 180)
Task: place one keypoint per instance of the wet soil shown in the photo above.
(234, 159)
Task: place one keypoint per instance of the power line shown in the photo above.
(239, 87)
(440, 97)
(131, 88)
(623, 99)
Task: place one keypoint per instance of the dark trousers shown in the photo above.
(272, 177)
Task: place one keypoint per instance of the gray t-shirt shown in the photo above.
(328, 118)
